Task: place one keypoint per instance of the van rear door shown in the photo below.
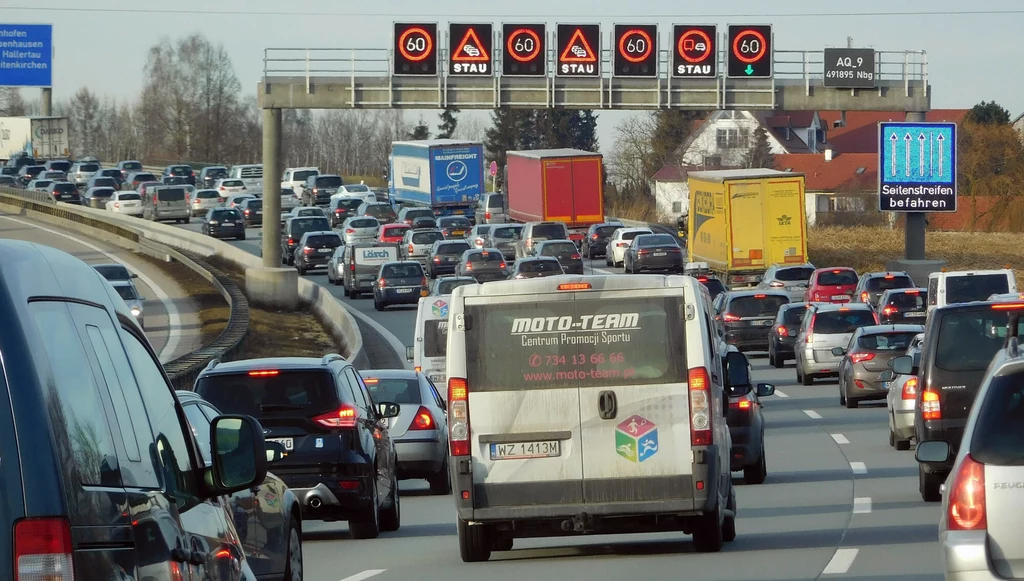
(432, 338)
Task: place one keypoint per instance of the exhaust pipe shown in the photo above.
(315, 501)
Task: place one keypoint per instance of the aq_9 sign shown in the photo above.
(636, 51)
(750, 52)
(415, 49)
(579, 50)
(469, 50)
(694, 51)
(525, 53)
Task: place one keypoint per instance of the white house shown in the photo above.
(671, 194)
(723, 140)
(1018, 124)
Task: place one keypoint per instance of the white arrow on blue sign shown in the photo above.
(916, 167)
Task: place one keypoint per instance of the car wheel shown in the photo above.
(892, 438)
(377, 304)
(851, 403)
(930, 485)
(474, 544)
(301, 269)
(293, 562)
(242, 237)
(729, 525)
(608, 259)
(707, 534)
(391, 517)
(896, 442)
(842, 396)
(439, 482)
(806, 379)
(756, 473)
(771, 355)
(187, 220)
(369, 526)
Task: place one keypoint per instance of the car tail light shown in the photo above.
(424, 420)
(437, 260)
(782, 331)
(864, 296)
(967, 497)
(411, 249)
(352, 266)
(117, 204)
(503, 265)
(700, 407)
(910, 388)
(349, 231)
(816, 296)
(337, 211)
(423, 282)
(223, 189)
(487, 216)
(622, 244)
(573, 257)
(349, 484)
(741, 405)
(307, 250)
(889, 311)
(382, 283)
(643, 251)
(469, 266)
(291, 241)
(344, 417)
(776, 284)
(593, 236)
(730, 318)
(248, 211)
(931, 407)
(861, 357)
(458, 416)
(42, 550)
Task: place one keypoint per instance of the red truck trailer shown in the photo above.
(556, 185)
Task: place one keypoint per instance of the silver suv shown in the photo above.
(979, 527)
(83, 171)
(825, 327)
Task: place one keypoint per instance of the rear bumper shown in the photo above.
(903, 423)
(314, 262)
(808, 366)
(746, 446)
(491, 276)
(334, 503)
(748, 337)
(667, 264)
(965, 556)
(419, 458)
(784, 346)
(393, 297)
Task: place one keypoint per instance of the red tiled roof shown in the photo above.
(670, 173)
(840, 174)
(860, 135)
(801, 119)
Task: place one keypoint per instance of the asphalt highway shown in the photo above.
(838, 503)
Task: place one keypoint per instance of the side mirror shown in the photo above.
(737, 370)
(134, 275)
(838, 351)
(765, 389)
(903, 365)
(143, 299)
(887, 375)
(275, 451)
(933, 452)
(409, 355)
(239, 454)
(389, 410)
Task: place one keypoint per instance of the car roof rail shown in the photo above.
(213, 363)
(331, 358)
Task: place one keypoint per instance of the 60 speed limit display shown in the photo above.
(524, 53)
(636, 50)
(749, 52)
(415, 49)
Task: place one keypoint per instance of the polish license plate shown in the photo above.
(288, 443)
(228, 224)
(915, 314)
(840, 298)
(66, 196)
(661, 254)
(403, 291)
(436, 378)
(325, 251)
(761, 323)
(526, 450)
(796, 288)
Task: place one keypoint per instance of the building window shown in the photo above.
(734, 138)
(677, 207)
(714, 161)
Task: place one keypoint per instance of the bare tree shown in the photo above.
(11, 103)
(633, 158)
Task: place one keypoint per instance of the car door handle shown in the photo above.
(607, 405)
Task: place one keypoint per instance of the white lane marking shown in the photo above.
(840, 439)
(841, 562)
(364, 575)
(813, 414)
(173, 318)
(858, 467)
(862, 505)
(780, 394)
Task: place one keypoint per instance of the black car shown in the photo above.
(252, 211)
(61, 165)
(565, 251)
(293, 230)
(267, 517)
(101, 471)
(905, 305)
(454, 227)
(19, 160)
(595, 243)
(318, 189)
(424, 222)
(224, 223)
(872, 284)
(67, 193)
(714, 284)
(745, 318)
(399, 283)
(782, 337)
(444, 257)
(183, 171)
(536, 267)
(382, 211)
(128, 167)
(136, 179)
(115, 174)
(960, 341)
(98, 181)
(339, 460)
(483, 264)
(28, 173)
(409, 215)
(653, 253)
(315, 249)
(8, 181)
(342, 209)
(745, 419)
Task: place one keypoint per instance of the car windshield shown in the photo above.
(232, 183)
(656, 240)
(508, 232)
(909, 301)
(253, 204)
(969, 338)
(131, 165)
(270, 393)
(794, 274)
(396, 231)
(445, 287)
(127, 292)
(216, 172)
(102, 192)
(842, 321)
(426, 237)
(63, 166)
(349, 204)
(558, 249)
(634, 234)
(895, 341)
(303, 212)
(457, 248)
(395, 390)
(540, 266)
(496, 201)
(794, 315)
(64, 187)
(380, 211)
(978, 287)
(179, 170)
(224, 215)
(144, 177)
(715, 286)
(402, 271)
(324, 241)
(418, 213)
(303, 175)
(328, 181)
(104, 181)
(996, 440)
(129, 196)
(358, 189)
(207, 194)
(364, 223)
(756, 305)
(837, 277)
(884, 283)
(605, 231)
(549, 231)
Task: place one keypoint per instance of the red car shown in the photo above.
(831, 285)
(393, 233)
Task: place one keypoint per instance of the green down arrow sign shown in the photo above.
(749, 70)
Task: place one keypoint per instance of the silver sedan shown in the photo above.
(902, 399)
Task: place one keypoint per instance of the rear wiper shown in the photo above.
(271, 407)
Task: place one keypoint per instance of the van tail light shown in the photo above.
(424, 420)
(782, 331)
(700, 407)
(382, 283)
(487, 216)
(42, 550)
(352, 266)
(344, 417)
(967, 497)
(931, 408)
(458, 416)
(864, 296)
(349, 231)
(730, 318)
(861, 357)
(910, 388)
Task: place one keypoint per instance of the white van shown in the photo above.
(430, 344)
(251, 175)
(295, 178)
(584, 405)
(964, 286)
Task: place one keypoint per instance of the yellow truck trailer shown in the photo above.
(741, 221)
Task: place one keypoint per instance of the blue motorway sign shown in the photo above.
(26, 55)
(917, 167)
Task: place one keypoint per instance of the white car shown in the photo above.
(236, 201)
(619, 243)
(360, 229)
(335, 265)
(127, 203)
(230, 186)
(361, 191)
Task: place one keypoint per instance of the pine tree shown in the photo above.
(582, 129)
(760, 153)
(421, 131)
(449, 122)
(672, 127)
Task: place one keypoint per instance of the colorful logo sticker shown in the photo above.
(636, 439)
(439, 308)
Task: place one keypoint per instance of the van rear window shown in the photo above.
(581, 343)
(996, 440)
(978, 287)
(435, 338)
(549, 231)
(277, 393)
(171, 195)
(969, 339)
(841, 322)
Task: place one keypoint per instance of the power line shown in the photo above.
(889, 14)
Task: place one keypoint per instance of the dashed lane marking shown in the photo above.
(841, 562)
(813, 414)
(364, 575)
(862, 505)
(858, 468)
(840, 439)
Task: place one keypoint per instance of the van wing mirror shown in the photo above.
(903, 365)
(933, 452)
(409, 355)
(887, 375)
(765, 389)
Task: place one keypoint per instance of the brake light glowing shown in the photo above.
(730, 318)
(264, 373)
(487, 215)
(910, 388)
(574, 286)
(864, 296)
(437, 260)
(742, 405)
(458, 416)
(913, 292)
(345, 417)
(424, 420)
(700, 407)
(42, 550)
(382, 283)
(967, 497)
(861, 357)
(702, 279)
(1008, 307)
(782, 331)
(889, 310)
(503, 265)
(760, 296)
(370, 380)
(593, 236)
(931, 407)
(306, 250)
(836, 271)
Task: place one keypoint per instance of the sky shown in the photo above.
(102, 44)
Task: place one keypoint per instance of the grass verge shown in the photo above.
(213, 310)
(867, 248)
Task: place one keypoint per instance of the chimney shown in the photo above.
(828, 154)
